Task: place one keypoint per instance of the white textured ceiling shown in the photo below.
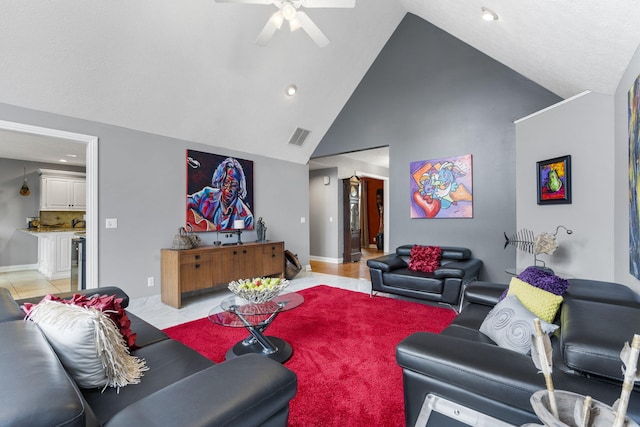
(190, 69)
(566, 46)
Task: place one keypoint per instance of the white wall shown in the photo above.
(620, 183)
(325, 234)
(582, 127)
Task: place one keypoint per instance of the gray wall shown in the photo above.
(18, 249)
(429, 95)
(142, 183)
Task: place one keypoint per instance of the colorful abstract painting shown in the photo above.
(442, 188)
(634, 170)
(219, 192)
(554, 181)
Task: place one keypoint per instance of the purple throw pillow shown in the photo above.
(541, 279)
(544, 280)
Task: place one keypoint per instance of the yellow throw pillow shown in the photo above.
(542, 303)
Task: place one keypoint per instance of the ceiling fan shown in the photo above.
(288, 11)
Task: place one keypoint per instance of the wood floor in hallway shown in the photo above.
(354, 270)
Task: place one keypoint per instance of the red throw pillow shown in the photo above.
(106, 303)
(425, 258)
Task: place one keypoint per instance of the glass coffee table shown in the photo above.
(236, 312)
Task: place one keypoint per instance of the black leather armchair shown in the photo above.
(390, 274)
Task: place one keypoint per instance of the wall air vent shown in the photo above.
(298, 137)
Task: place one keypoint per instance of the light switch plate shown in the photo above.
(111, 223)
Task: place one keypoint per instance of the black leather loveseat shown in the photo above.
(181, 387)
(390, 274)
(463, 373)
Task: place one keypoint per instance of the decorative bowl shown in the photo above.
(258, 290)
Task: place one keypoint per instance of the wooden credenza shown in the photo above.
(209, 267)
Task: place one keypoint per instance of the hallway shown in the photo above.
(354, 270)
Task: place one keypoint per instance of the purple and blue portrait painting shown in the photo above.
(219, 192)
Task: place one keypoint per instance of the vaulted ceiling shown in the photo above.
(190, 69)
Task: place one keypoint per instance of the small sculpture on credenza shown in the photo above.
(261, 230)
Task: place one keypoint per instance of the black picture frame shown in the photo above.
(554, 181)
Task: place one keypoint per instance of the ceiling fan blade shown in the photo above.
(328, 3)
(267, 32)
(312, 29)
(246, 1)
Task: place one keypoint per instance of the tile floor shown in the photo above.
(31, 283)
(163, 316)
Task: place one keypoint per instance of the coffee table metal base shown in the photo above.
(282, 353)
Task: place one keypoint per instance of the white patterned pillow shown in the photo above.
(510, 325)
(88, 344)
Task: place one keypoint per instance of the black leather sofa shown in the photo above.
(181, 387)
(390, 274)
(461, 373)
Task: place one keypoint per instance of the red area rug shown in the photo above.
(343, 353)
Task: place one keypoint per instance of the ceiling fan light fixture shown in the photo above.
(295, 24)
(289, 11)
(277, 19)
(488, 14)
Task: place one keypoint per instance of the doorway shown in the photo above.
(54, 137)
(325, 198)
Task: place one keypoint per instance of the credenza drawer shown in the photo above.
(273, 249)
(194, 258)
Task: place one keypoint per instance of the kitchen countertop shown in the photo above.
(46, 230)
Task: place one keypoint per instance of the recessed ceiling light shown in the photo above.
(488, 14)
(291, 90)
(72, 155)
(63, 160)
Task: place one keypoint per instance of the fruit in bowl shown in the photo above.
(259, 289)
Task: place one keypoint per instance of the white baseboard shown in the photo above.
(325, 259)
(10, 268)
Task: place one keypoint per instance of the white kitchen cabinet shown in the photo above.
(54, 254)
(62, 190)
